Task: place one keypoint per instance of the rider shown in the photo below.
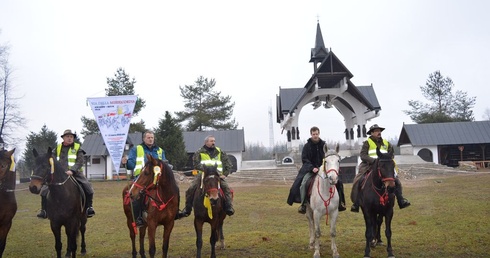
(312, 157)
(368, 157)
(135, 161)
(70, 155)
(209, 154)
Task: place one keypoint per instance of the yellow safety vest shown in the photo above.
(72, 155)
(206, 160)
(140, 158)
(372, 148)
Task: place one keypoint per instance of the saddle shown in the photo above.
(309, 185)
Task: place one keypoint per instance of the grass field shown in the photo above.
(449, 217)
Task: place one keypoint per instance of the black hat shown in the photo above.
(374, 127)
(67, 132)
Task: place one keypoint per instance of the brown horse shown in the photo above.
(208, 207)
(8, 203)
(65, 203)
(156, 183)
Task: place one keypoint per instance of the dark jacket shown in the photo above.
(366, 160)
(312, 157)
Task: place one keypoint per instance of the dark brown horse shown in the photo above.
(65, 201)
(156, 183)
(208, 207)
(8, 204)
(377, 200)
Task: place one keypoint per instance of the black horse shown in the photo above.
(208, 207)
(65, 201)
(8, 203)
(377, 200)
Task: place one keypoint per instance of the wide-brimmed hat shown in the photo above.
(374, 127)
(67, 132)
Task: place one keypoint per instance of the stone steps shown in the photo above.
(285, 173)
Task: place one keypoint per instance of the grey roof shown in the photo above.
(93, 144)
(370, 95)
(477, 132)
(228, 140)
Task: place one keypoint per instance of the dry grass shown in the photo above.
(449, 217)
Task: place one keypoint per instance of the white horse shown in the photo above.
(324, 200)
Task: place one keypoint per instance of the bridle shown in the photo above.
(209, 190)
(146, 190)
(49, 177)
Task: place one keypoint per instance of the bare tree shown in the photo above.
(10, 116)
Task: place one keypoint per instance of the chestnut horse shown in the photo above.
(208, 207)
(8, 203)
(65, 201)
(324, 200)
(377, 200)
(156, 183)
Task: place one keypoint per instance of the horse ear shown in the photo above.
(50, 150)
(325, 148)
(34, 151)
(337, 148)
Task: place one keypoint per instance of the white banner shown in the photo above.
(113, 115)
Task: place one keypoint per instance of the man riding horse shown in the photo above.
(368, 157)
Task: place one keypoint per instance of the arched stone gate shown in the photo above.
(328, 87)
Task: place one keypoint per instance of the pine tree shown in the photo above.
(169, 136)
(205, 108)
(41, 142)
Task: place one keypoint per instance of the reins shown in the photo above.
(331, 190)
(147, 190)
(384, 197)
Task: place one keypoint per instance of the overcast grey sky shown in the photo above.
(63, 51)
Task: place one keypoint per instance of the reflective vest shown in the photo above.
(140, 158)
(72, 155)
(206, 160)
(372, 148)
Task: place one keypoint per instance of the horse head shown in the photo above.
(385, 166)
(149, 177)
(5, 163)
(331, 165)
(43, 169)
(211, 182)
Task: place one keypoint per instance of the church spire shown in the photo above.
(319, 52)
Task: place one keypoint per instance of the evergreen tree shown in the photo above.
(120, 85)
(169, 137)
(445, 106)
(205, 108)
(41, 142)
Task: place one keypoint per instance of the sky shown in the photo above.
(63, 52)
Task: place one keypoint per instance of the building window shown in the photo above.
(96, 161)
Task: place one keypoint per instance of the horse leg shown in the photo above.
(333, 231)
(4, 230)
(311, 227)
(167, 230)
(317, 216)
(142, 231)
(370, 224)
(71, 230)
(213, 238)
(56, 229)
(83, 228)
(379, 222)
(221, 238)
(152, 227)
(388, 236)
(198, 228)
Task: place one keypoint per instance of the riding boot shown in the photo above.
(302, 207)
(228, 199)
(340, 189)
(402, 202)
(42, 213)
(137, 206)
(189, 197)
(177, 216)
(90, 209)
